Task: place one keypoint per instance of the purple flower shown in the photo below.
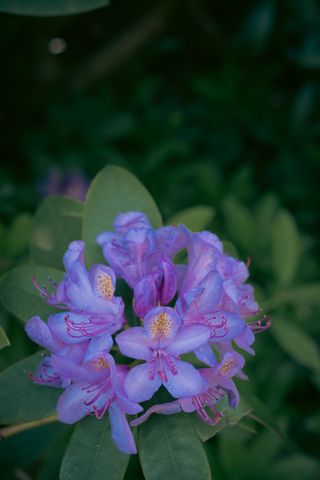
(213, 293)
(160, 342)
(143, 258)
(87, 298)
(209, 317)
(219, 385)
(96, 386)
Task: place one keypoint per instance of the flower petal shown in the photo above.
(41, 334)
(138, 384)
(224, 325)
(162, 323)
(69, 327)
(231, 363)
(205, 354)
(188, 339)
(125, 221)
(101, 343)
(170, 282)
(163, 409)
(66, 368)
(145, 296)
(70, 406)
(186, 382)
(134, 343)
(75, 253)
(245, 339)
(120, 430)
(103, 281)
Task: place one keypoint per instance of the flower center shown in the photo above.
(104, 285)
(161, 326)
(101, 363)
(226, 367)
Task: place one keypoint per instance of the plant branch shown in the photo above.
(21, 427)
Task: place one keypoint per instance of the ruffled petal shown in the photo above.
(134, 343)
(125, 221)
(188, 339)
(186, 381)
(139, 385)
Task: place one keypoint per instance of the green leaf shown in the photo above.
(170, 448)
(240, 224)
(195, 218)
(21, 400)
(114, 190)
(56, 223)
(230, 417)
(19, 295)
(18, 234)
(50, 7)
(4, 341)
(91, 453)
(296, 343)
(285, 247)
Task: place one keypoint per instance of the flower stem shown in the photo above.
(21, 427)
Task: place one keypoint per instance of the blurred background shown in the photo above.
(209, 103)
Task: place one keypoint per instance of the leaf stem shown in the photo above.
(21, 427)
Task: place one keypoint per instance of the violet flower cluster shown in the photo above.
(200, 307)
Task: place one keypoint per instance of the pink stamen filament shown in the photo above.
(208, 399)
(84, 329)
(157, 365)
(260, 325)
(217, 327)
(104, 388)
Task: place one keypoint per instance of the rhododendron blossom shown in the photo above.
(199, 309)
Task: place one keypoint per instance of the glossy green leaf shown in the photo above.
(56, 223)
(4, 341)
(296, 343)
(114, 190)
(19, 295)
(50, 7)
(20, 399)
(195, 218)
(91, 453)
(285, 247)
(230, 417)
(170, 448)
